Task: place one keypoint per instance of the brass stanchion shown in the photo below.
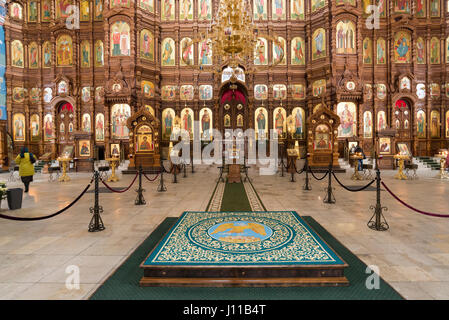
(96, 223)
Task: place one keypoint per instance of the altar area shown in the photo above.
(272, 248)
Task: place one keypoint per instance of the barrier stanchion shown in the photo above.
(377, 221)
(191, 161)
(306, 186)
(329, 198)
(185, 174)
(96, 223)
(161, 187)
(140, 200)
(175, 169)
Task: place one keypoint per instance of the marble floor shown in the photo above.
(37, 258)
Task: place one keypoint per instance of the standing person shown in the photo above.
(25, 161)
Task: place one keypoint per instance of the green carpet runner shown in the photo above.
(235, 198)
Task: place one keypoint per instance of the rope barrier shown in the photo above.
(349, 189)
(151, 180)
(3, 216)
(301, 171)
(165, 170)
(120, 191)
(412, 208)
(313, 175)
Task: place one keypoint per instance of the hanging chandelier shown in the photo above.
(233, 40)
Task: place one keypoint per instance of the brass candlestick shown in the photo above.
(113, 163)
(64, 163)
(401, 158)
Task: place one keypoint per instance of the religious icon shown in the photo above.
(32, 11)
(168, 52)
(63, 9)
(84, 10)
(227, 120)
(99, 53)
(35, 127)
(367, 51)
(147, 5)
(168, 116)
(384, 145)
(16, 10)
(298, 51)
(261, 52)
(84, 147)
(381, 121)
(64, 51)
(119, 115)
(346, 37)
(421, 124)
(278, 10)
(48, 127)
(99, 127)
(434, 124)
(447, 124)
(206, 92)
(205, 53)
(402, 6)
(435, 90)
(46, 10)
(17, 54)
(168, 9)
(98, 94)
(434, 50)
(85, 94)
(260, 9)
(62, 130)
(19, 127)
(319, 44)
(63, 87)
(150, 109)
(33, 55)
(98, 9)
(18, 94)
(187, 121)
(347, 113)
(318, 4)
(186, 47)
(147, 88)
(186, 92)
(48, 95)
(146, 45)
(120, 43)
(85, 54)
(434, 8)
(46, 52)
(168, 93)
(35, 94)
(279, 118)
(297, 9)
(260, 92)
(381, 91)
(322, 138)
(261, 124)
(381, 58)
(367, 124)
(204, 10)
(239, 120)
(421, 8)
(402, 52)
(119, 3)
(405, 84)
(318, 87)
(186, 10)
(421, 90)
(279, 53)
(206, 124)
(298, 92)
(368, 91)
(420, 51)
(115, 150)
(86, 123)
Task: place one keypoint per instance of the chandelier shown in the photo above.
(232, 39)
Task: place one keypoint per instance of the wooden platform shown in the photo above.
(168, 266)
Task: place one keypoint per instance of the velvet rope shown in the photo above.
(151, 180)
(123, 190)
(310, 170)
(301, 171)
(352, 190)
(412, 208)
(3, 216)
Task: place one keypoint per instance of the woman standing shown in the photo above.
(25, 161)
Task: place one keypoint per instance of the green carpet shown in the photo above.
(124, 283)
(234, 198)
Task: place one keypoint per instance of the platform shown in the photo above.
(275, 248)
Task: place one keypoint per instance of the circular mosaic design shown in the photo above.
(240, 231)
(240, 234)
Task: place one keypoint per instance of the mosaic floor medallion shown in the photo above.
(246, 238)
